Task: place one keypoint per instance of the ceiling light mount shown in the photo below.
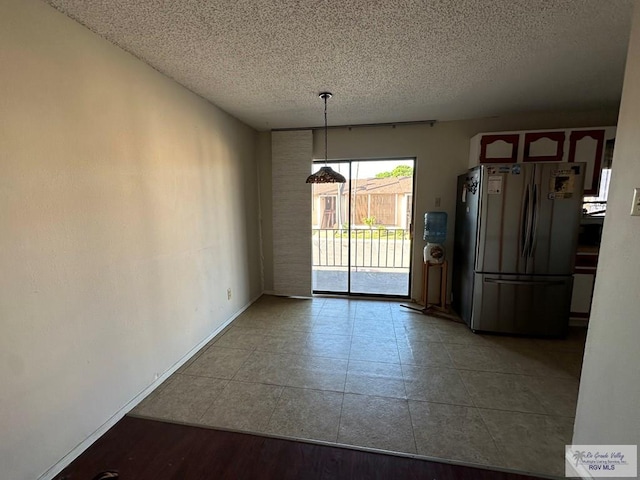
(326, 174)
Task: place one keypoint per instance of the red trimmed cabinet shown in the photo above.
(588, 146)
(553, 145)
(499, 148)
(543, 146)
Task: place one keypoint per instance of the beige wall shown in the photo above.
(128, 206)
(441, 152)
(609, 400)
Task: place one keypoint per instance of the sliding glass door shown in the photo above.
(361, 229)
(330, 232)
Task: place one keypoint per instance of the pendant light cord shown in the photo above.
(326, 132)
(326, 174)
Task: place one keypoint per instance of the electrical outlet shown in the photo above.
(228, 294)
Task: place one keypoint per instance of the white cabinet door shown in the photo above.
(494, 148)
(544, 146)
(588, 146)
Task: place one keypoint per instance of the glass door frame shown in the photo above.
(348, 292)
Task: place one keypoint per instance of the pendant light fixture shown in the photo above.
(326, 174)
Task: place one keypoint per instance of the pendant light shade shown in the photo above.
(326, 174)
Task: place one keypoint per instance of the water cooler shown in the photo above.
(435, 234)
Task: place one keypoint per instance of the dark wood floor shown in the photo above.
(142, 449)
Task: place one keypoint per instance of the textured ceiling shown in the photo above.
(264, 61)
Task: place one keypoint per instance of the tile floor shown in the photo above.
(373, 374)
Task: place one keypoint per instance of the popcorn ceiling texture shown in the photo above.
(264, 61)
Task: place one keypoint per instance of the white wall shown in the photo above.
(609, 401)
(442, 153)
(128, 206)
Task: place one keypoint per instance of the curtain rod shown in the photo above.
(431, 123)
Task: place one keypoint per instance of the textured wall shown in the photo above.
(128, 206)
(291, 207)
(609, 400)
(263, 153)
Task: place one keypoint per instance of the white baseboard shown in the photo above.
(275, 294)
(102, 429)
(578, 471)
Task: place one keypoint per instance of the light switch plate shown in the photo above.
(635, 206)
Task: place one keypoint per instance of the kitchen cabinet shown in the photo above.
(553, 145)
(581, 295)
(543, 146)
(583, 281)
(588, 146)
(499, 148)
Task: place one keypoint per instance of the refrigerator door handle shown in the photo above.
(534, 220)
(525, 227)
(524, 282)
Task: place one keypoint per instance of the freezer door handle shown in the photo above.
(525, 227)
(524, 282)
(534, 220)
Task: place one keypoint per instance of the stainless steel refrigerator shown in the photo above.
(516, 232)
